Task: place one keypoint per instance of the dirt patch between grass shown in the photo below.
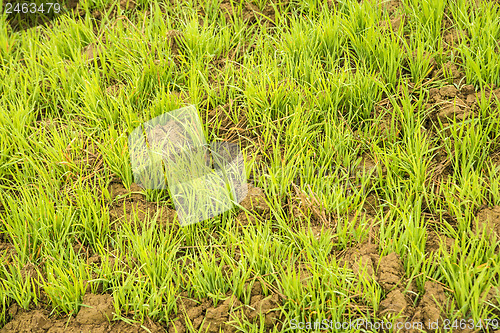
(431, 304)
(249, 13)
(94, 317)
(447, 104)
(434, 241)
(401, 295)
(399, 298)
(220, 122)
(387, 271)
(204, 315)
(306, 207)
(130, 205)
(256, 205)
(453, 103)
(488, 222)
(7, 253)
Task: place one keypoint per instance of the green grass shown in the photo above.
(307, 91)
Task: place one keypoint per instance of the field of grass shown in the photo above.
(371, 136)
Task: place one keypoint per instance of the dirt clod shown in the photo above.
(448, 91)
(451, 69)
(263, 306)
(353, 255)
(364, 267)
(434, 241)
(488, 220)
(91, 321)
(434, 95)
(431, 304)
(217, 318)
(456, 109)
(255, 202)
(127, 4)
(220, 317)
(130, 205)
(96, 309)
(394, 303)
(468, 89)
(256, 289)
(390, 271)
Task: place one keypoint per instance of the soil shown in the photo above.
(395, 302)
(255, 202)
(362, 259)
(127, 203)
(395, 23)
(95, 317)
(205, 316)
(450, 103)
(219, 121)
(92, 51)
(453, 103)
(388, 271)
(372, 204)
(399, 291)
(431, 304)
(434, 241)
(250, 13)
(7, 253)
(391, 6)
(114, 90)
(492, 300)
(308, 211)
(488, 221)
